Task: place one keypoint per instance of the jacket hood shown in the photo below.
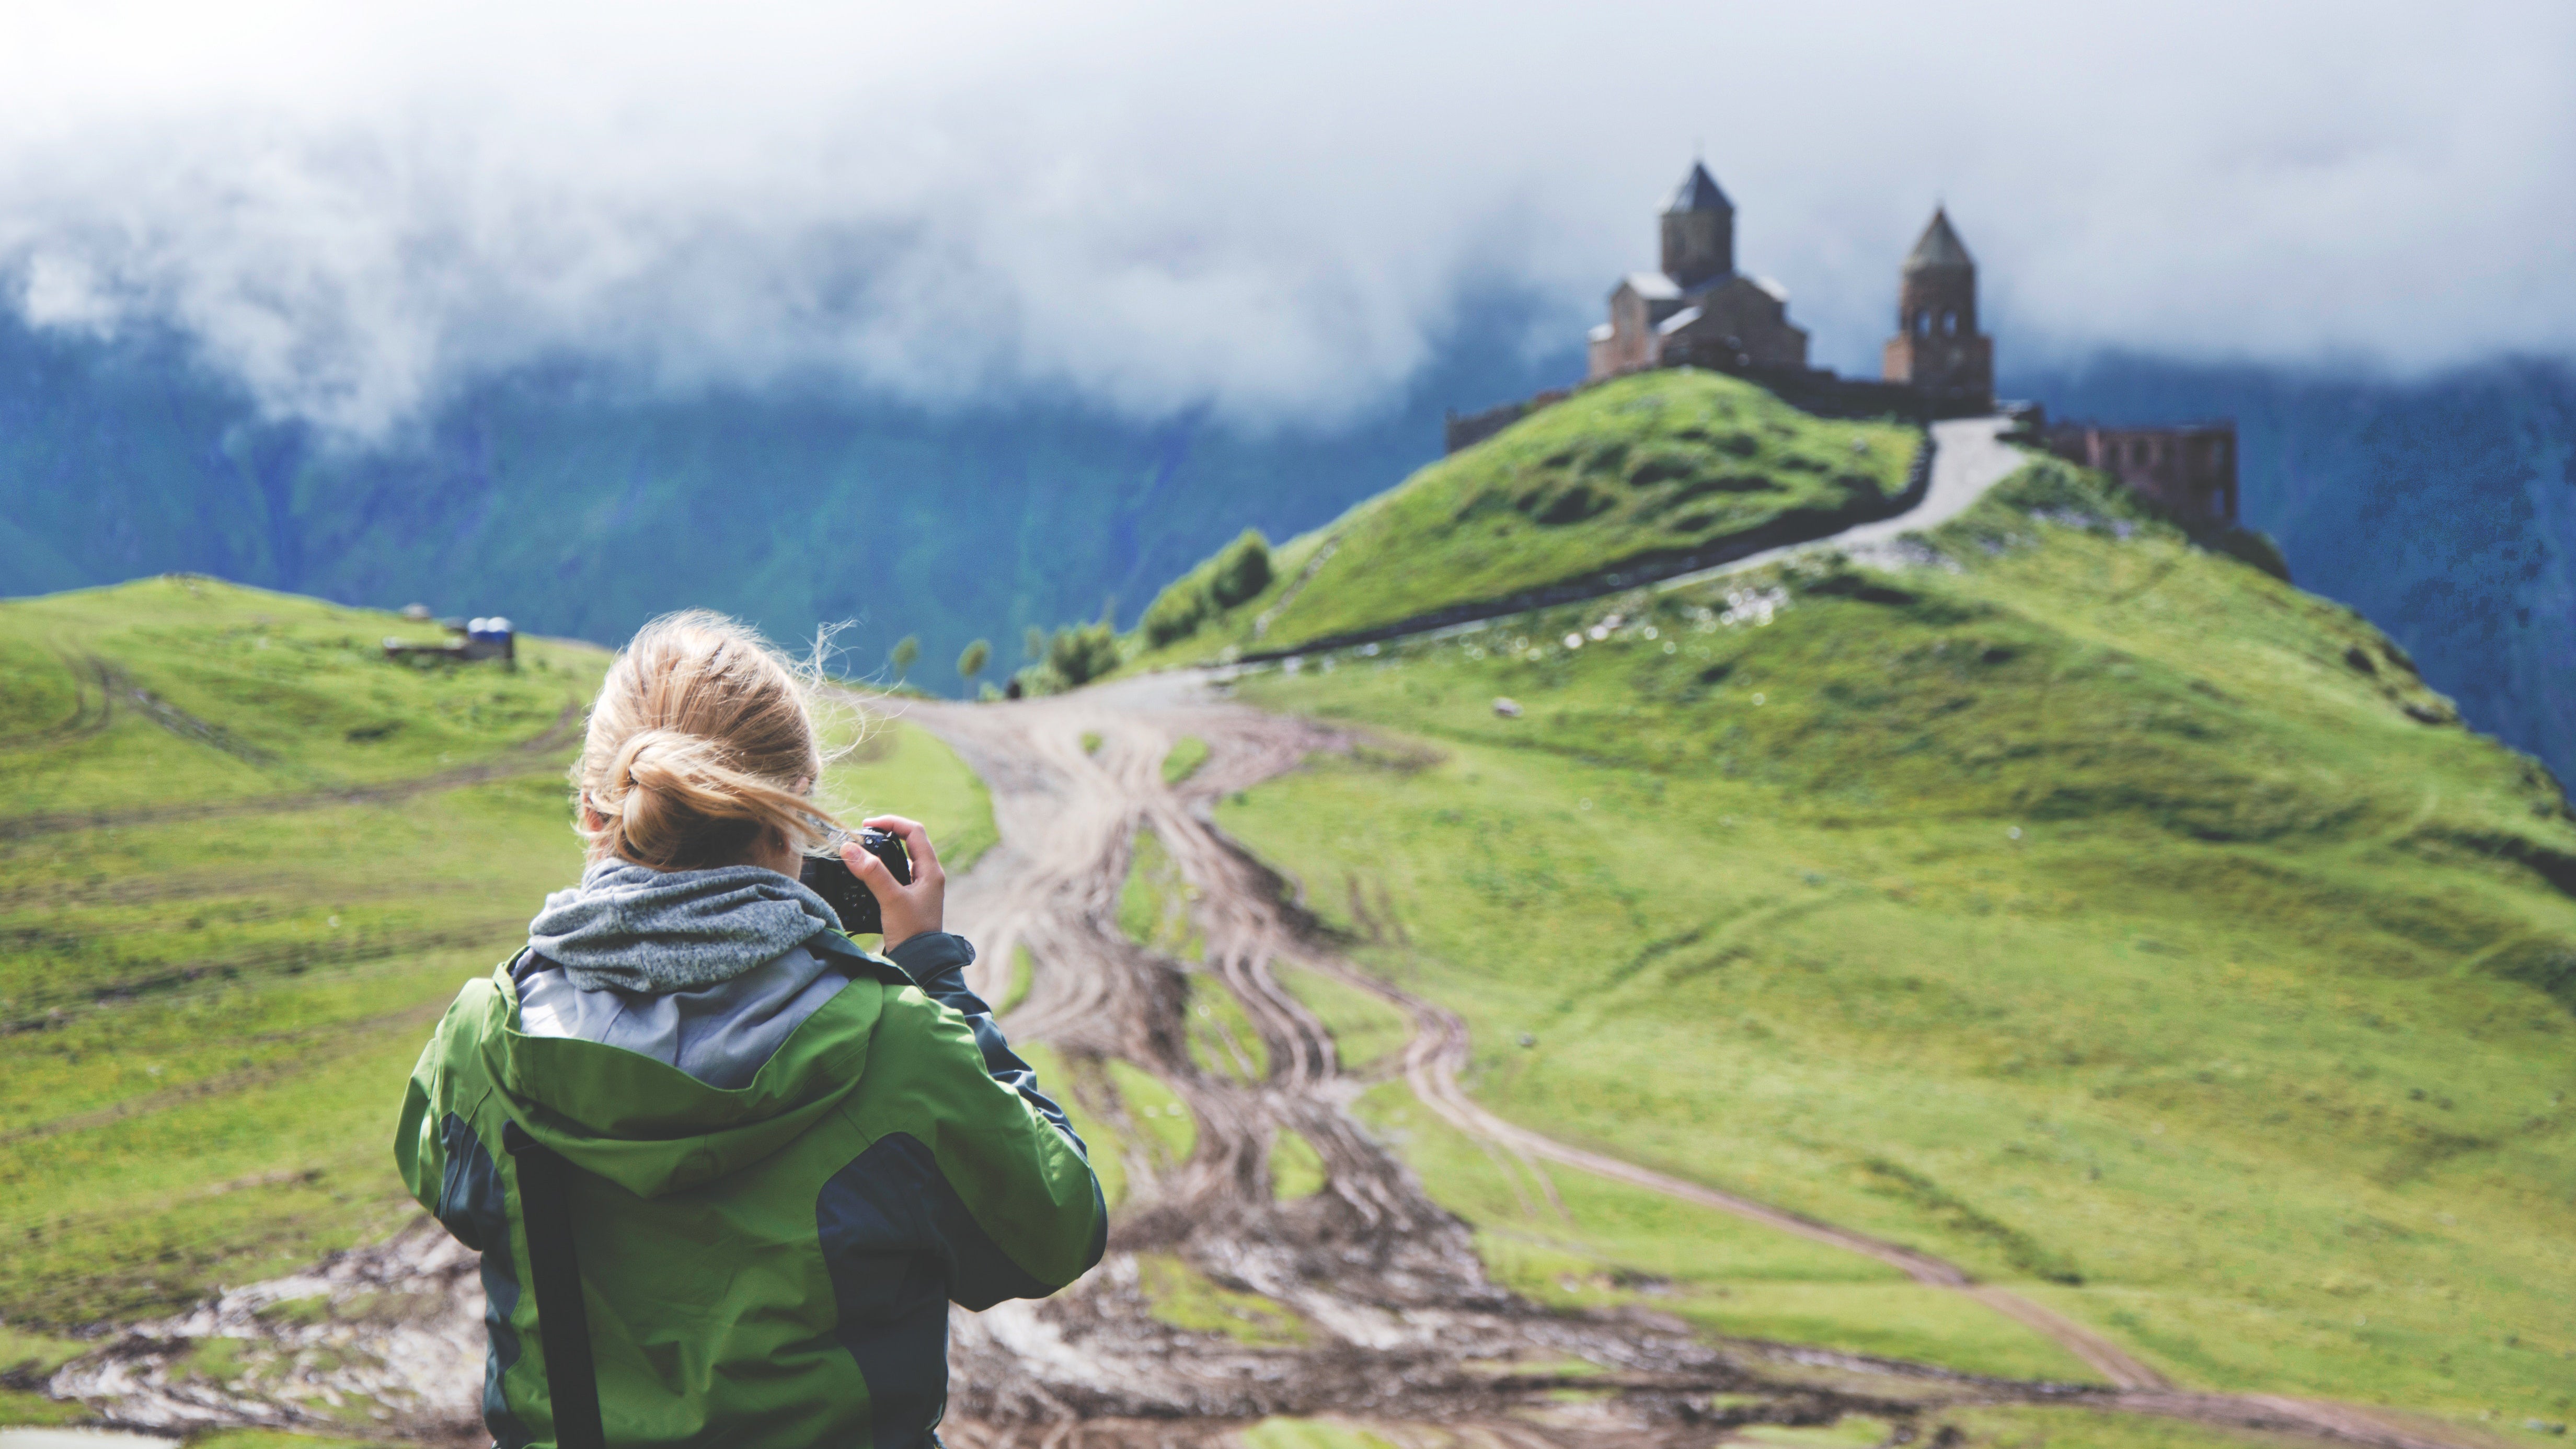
(654, 1129)
(634, 928)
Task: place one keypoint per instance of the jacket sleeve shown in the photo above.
(419, 1151)
(937, 961)
(1012, 1202)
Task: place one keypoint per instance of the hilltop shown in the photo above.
(2084, 906)
(1651, 469)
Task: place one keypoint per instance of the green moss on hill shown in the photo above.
(1659, 463)
(2082, 905)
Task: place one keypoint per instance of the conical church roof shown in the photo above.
(1939, 248)
(1699, 193)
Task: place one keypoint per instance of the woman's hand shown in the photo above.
(907, 910)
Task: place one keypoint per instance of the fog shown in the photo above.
(1275, 214)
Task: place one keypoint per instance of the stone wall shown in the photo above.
(2189, 470)
(1466, 430)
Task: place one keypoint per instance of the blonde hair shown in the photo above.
(701, 748)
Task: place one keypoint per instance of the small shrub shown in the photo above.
(1239, 572)
(1176, 612)
(2251, 546)
(1081, 653)
(1242, 570)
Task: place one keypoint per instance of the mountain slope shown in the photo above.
(2084, 907)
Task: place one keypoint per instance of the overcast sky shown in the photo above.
(1273, 209)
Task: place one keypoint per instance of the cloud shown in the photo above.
(1276, 213)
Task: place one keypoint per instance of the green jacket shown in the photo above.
(771, 1265)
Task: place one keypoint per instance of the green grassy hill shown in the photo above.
(2085, 907)
(1662, 463)
(247, 862)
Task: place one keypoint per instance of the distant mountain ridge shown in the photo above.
(2444, 509)
(577, 508)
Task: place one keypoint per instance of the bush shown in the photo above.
(2251, 546)
(1239, 572)
(1081, 653)
(1242, 570)
(1176, 612)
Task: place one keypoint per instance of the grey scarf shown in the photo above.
(638, 929)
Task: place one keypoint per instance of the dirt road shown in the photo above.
(1408, 1329)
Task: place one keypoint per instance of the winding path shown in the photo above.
(1067, 818)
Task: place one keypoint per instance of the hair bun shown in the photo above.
(700, 745)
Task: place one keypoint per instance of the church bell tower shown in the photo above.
(1699, 231)
(1937, 347)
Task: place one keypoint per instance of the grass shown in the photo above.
(1296, 1169)
(899, 768)
(2084, 907)
(1223, 1040)
(1188, 1299)
(2029, 1427)
(1366, 1031)
(1309, 1434)
(247, 862)
(267, 1440)
(1851, 1431)
(1574, 1241)
(1169, 1133)
(1666, 461)
(1187, 754)
(1154, 903)
(1023, 975)
(29, 1358)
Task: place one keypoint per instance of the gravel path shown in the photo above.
(1969, 456)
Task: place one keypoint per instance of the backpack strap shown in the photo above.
(563, 1323)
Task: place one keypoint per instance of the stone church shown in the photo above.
(1699, 310)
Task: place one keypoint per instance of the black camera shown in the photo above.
(830, 877)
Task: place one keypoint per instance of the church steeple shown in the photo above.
(1939, 248)
(1699, 192)
(1699, 231)
(1937, 346)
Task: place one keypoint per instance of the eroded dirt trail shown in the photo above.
(1409, 1332)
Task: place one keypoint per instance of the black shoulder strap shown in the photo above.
(563, 1325)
